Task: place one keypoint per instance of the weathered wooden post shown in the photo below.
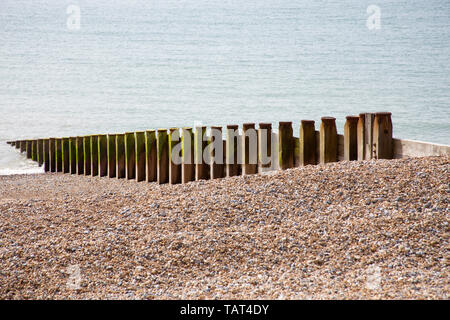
(249, 149)
(382, 136)
(102, 155)
(233, 151)
(151, 155)
(285, 145)
(65, 152)
(328, 140)
(162, 146)
(111, 155)
(23, 146)
(120, 156)
(87, 155)
(307, 143)
(174, 156)
(141, 159)
(34, 150)
(17, 145)
(365, 136)
(187, 155)
(265, 147)
(29, 149)
(52, 154)
(80, 155)
(59, 155)
(130, 155)
(215, 147)
(94, 155)
(200, 145)
(46, 154)
(351, 138)
(73, 154)
(40, 151)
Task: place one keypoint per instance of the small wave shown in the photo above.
(8, 172)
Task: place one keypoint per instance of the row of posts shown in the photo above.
(181, 155)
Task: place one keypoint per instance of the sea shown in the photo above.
(83, 67)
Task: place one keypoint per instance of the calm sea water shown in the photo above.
(164, 63)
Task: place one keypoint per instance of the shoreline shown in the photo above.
(346, 230)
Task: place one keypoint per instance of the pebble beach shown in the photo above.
(349, 230)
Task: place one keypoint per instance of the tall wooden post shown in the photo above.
(162, 146)
(174, 143)
(265, 147)
(59, 155)
(79, 145)
(351, 138)
(73, 155)
(46, 154)
(200, 147)
(120, 156)
(111, 151)
(151, 154)
(382, 136)
(130, 155)
(365, 136)
(102, 155)
(94, 156)
(328, 140)
(87, 155)
(233, 150)
(285, 145)
(65, 152)
(52, 154)
(307, 142)
(23, 146)
(249, 149)
(40, 151)
(216, 153)
(34, 152)
(140, 156)
(187, 155)
(29, 149)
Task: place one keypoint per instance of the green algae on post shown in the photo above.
(87, 155)
(111, 150)
(120, 156)
(140, 156)
(130, 155)
(65, 154)
(40, 151)
(162, 147)
(72, 155)
(79, 149)
(151, 155)
(46, 154)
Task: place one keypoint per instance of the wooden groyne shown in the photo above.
(181, 155)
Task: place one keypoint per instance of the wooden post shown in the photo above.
(265, 147)
(23, 146)
(40, 151)
(59, 155)
(102, 155)
(365, 136)
(140, 156)
(94, 156)
(200, 145)
(151, 156)
(52, 154)
(87, 155)
(34, 150)
(328, 140)
(382, 136)
(285, 145)
(29, 149)
(130, 155)
(65, 152)
(351, 138)
(79, 154)
(174, 142)
(120, 156)
(249, 149)
(233, 151)
(73, 155)
(187, 155)
(111, 151)
(18, 144)
(162, 156)
(46, 154)
(216, 153)
(307, 142)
